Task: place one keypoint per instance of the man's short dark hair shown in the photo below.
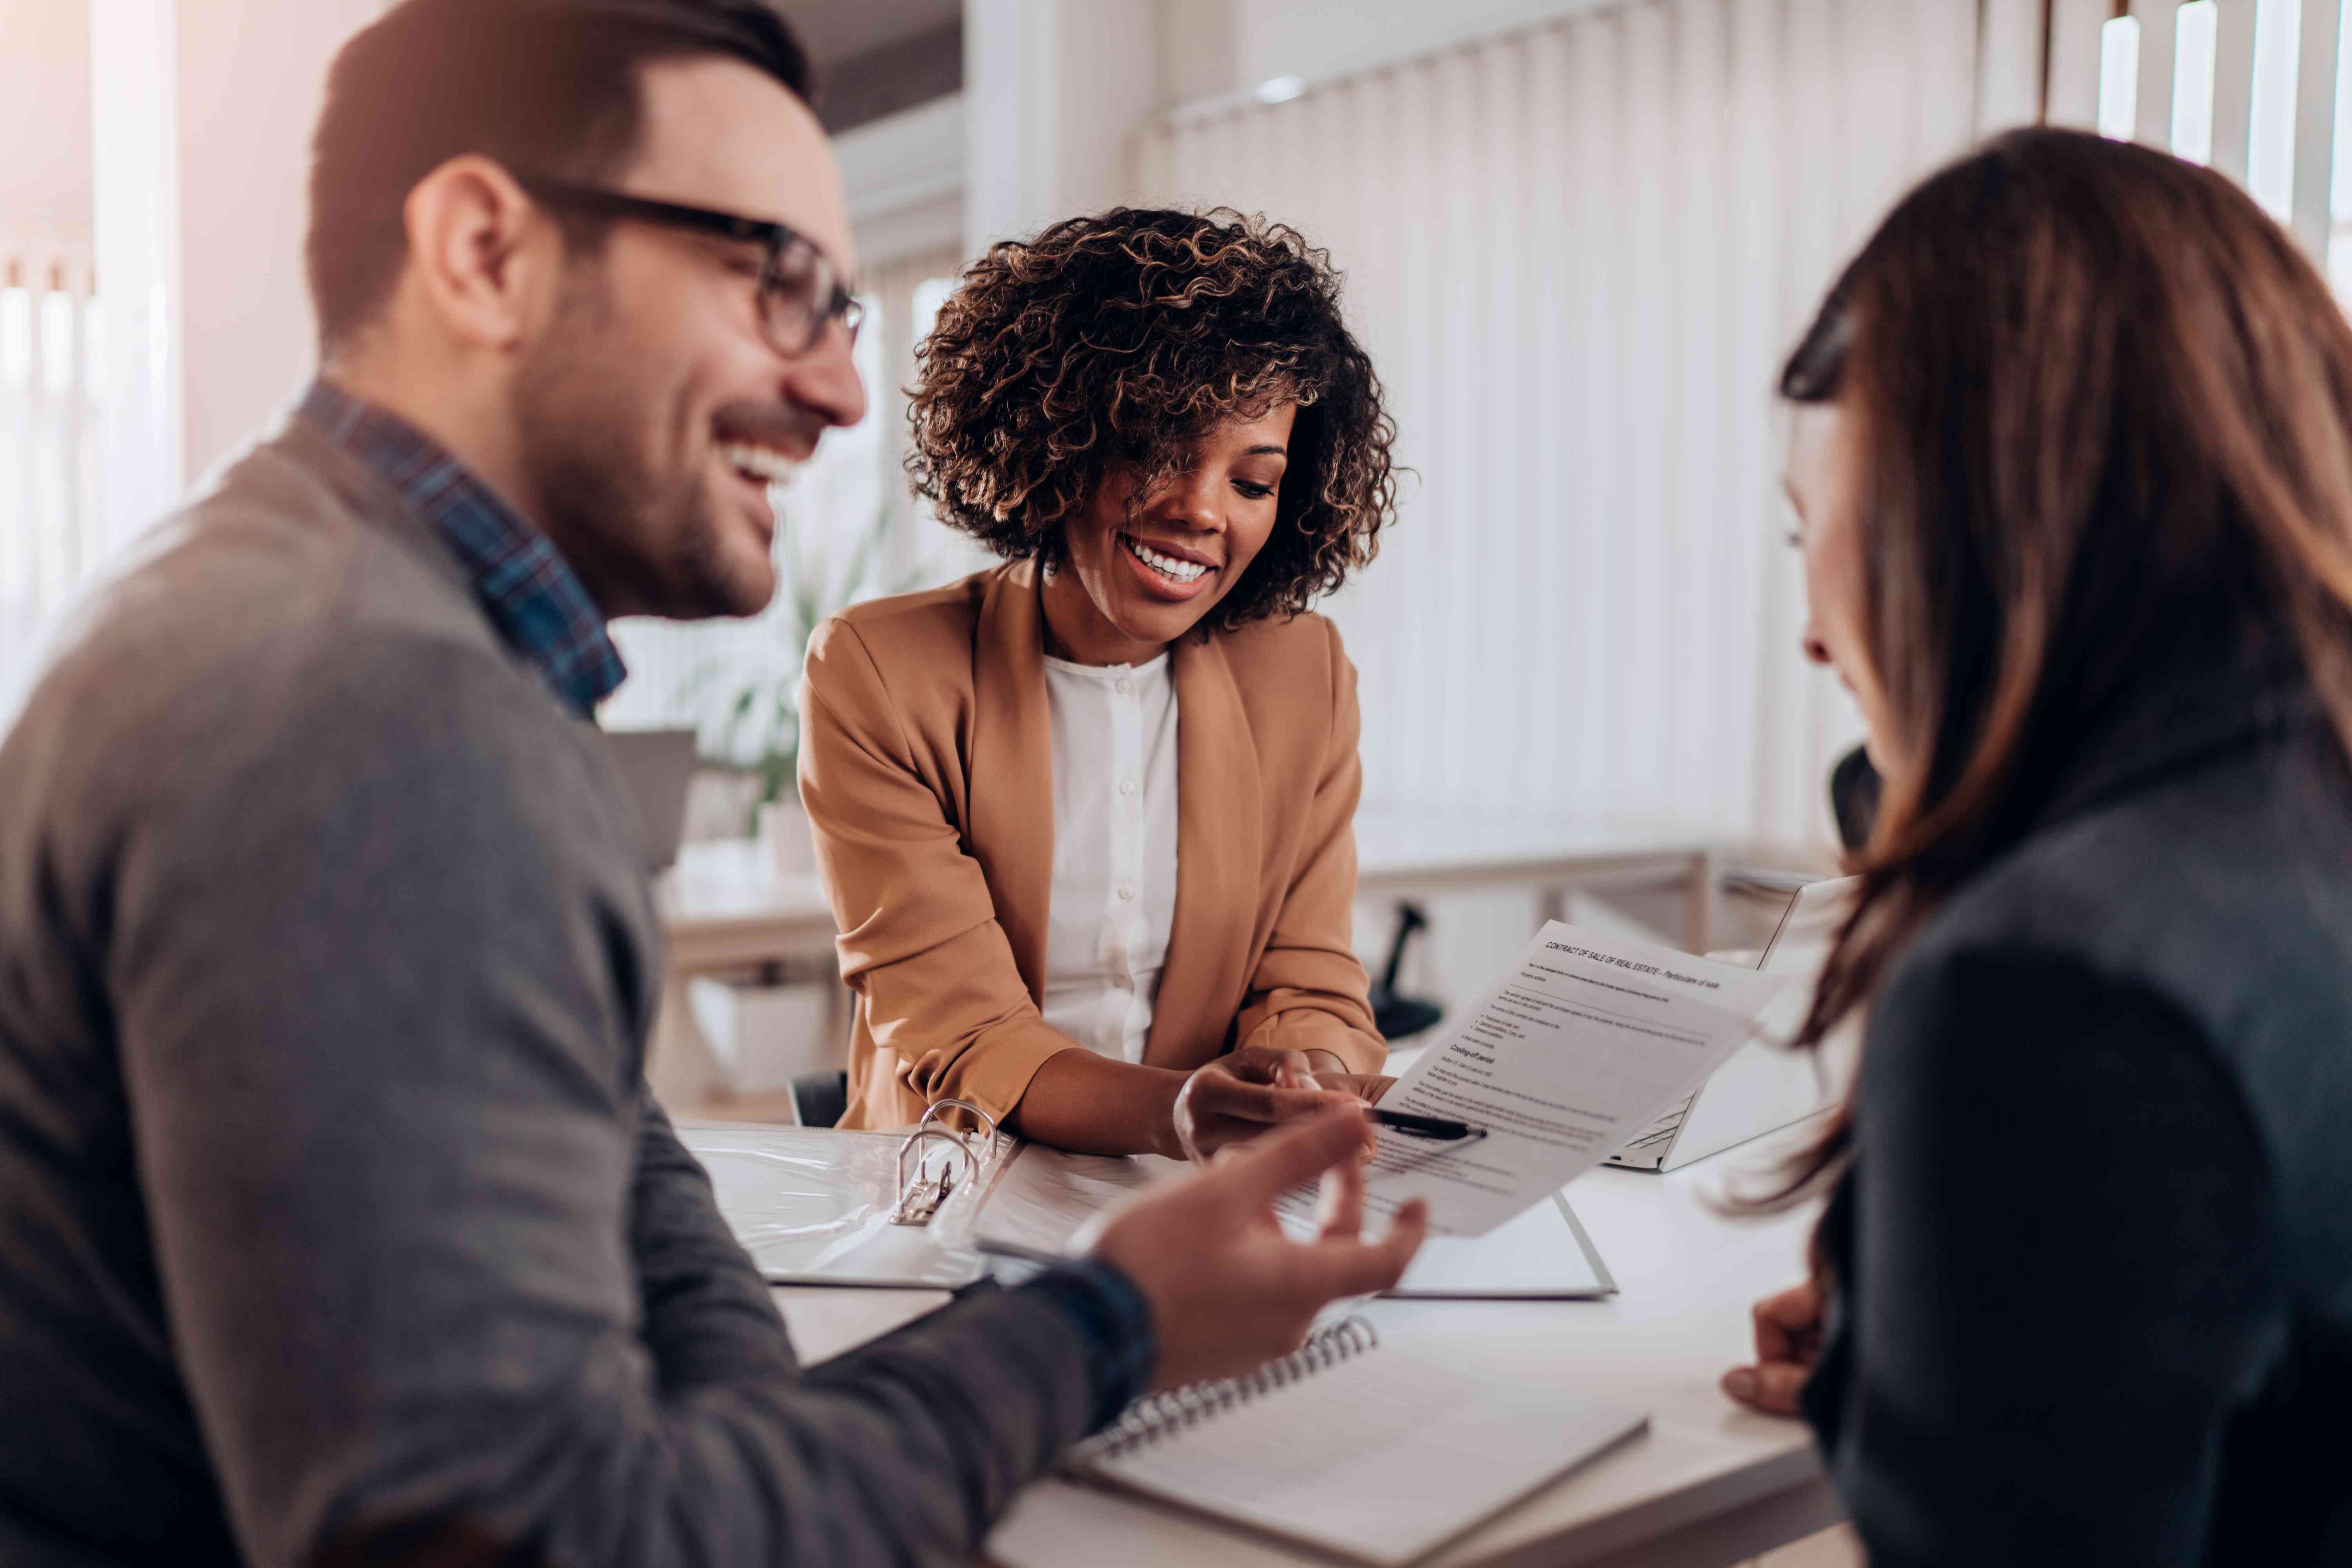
(546, 86)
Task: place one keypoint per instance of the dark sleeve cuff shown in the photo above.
(1114, 1321)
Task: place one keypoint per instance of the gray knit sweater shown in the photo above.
(334, 1219)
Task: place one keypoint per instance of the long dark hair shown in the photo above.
(2105, 407)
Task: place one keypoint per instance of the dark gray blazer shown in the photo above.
(2094, 1257)
(332, 1212)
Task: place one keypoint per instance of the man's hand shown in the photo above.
(1229, 1292)
(1245, 1093)
(1787, 1342)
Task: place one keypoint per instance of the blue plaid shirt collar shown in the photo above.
(530, 595)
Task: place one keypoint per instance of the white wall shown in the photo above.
(1214, 47)
(251, 77)
(904, 176)
(45, 119)
(1054, 91)
(1058, 93)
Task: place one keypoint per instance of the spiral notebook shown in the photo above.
(1374, 1452)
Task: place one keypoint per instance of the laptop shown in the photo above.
(1764, 1086)
(655, 766)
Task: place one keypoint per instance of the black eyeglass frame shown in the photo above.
(776, 238)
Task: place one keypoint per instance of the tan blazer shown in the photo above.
(926, 767)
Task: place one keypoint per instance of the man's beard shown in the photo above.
(643, 541)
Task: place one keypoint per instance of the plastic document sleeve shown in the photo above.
(818, 1206)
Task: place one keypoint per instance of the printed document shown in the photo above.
(1047, 1197)
(1584, 1042)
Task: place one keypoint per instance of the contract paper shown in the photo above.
(1048, 1197)
(1585, 1041)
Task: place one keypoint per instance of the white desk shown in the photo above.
(723, 906)
(1401, 852)
(726, 911)
(1708, 1484)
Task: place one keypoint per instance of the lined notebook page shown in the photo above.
(1383, 1457)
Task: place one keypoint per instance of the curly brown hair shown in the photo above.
(1113, 343)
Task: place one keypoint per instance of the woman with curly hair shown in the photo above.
(1084, 818)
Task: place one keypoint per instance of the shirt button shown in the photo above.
(1126, 889)
(1125, 687)
(1127, 786)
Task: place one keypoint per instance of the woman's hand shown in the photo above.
(1331, 1070)
(1787, 1342)
(1367, 1087)
(1245, 1093)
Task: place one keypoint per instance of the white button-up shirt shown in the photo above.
(1113, 850)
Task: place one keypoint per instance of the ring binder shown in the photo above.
(920, 1194)
(1158, 1415)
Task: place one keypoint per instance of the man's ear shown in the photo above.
(486, 259)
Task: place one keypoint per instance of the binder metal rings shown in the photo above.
(1158, 1415)
(921, 1192)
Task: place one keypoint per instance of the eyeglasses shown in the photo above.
(799, 287)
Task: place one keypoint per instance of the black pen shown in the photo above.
(1425, 1126)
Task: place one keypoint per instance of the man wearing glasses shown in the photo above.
(335, 1223)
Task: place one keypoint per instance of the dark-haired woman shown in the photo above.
(1084, 818)
(2073, 460)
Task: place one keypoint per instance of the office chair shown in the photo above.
(1401, 1017)
(1854, 797)
(820, 1099)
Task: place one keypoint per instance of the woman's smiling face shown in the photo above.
(1138, 576)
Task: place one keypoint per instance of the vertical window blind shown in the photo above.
(50, 525)
(2256, 88)
(1576, 254)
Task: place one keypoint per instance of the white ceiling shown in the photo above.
(832, 29)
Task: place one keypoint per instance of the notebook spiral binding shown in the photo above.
(1158, 1415)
